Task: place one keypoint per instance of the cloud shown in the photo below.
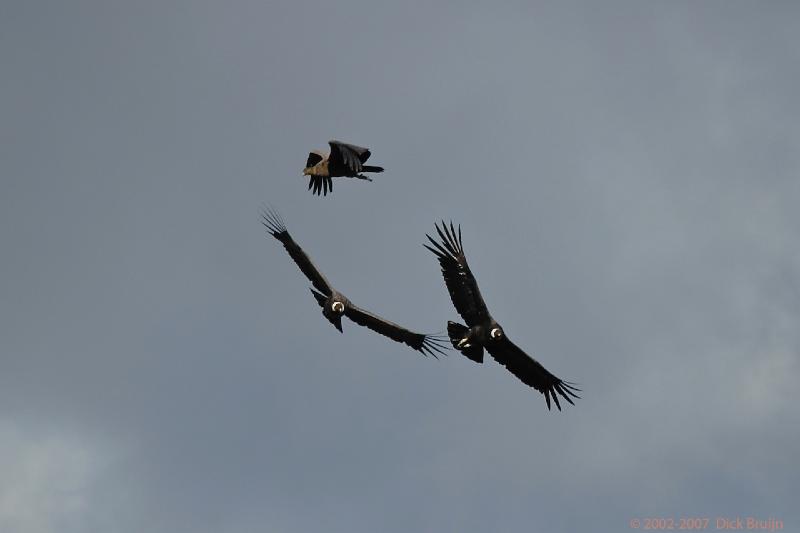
(47, 479)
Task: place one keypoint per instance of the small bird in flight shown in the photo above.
(483, 331)
(333, 303)
(344, 160)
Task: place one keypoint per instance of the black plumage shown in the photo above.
(335, 305)
(343, 160)
(482, 331)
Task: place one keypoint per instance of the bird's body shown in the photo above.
(482, 330)
(319, 169)
(344, 160)
(335, 305)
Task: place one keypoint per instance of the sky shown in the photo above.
(626, 180)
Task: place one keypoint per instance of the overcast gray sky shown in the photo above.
(626, 178)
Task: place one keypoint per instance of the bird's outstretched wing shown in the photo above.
(349, 156)
(274, 224)
(427, 344)
(313, 159)
(460, 282)
(320, 184)
(531, 372)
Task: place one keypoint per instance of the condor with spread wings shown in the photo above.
(344, 160)
(334, 305)
(482, 331)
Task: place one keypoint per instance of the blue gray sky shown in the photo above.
(626, 178)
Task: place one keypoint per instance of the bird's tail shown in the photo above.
(370, 168)
(459, 338)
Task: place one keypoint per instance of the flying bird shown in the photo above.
(344, 160)
(483, 331)
(334, 304)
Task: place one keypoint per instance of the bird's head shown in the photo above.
(334, 310)
(333, 307)
(496, 332)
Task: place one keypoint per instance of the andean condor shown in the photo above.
(344, 160)
(334, 305)
(483, 331)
